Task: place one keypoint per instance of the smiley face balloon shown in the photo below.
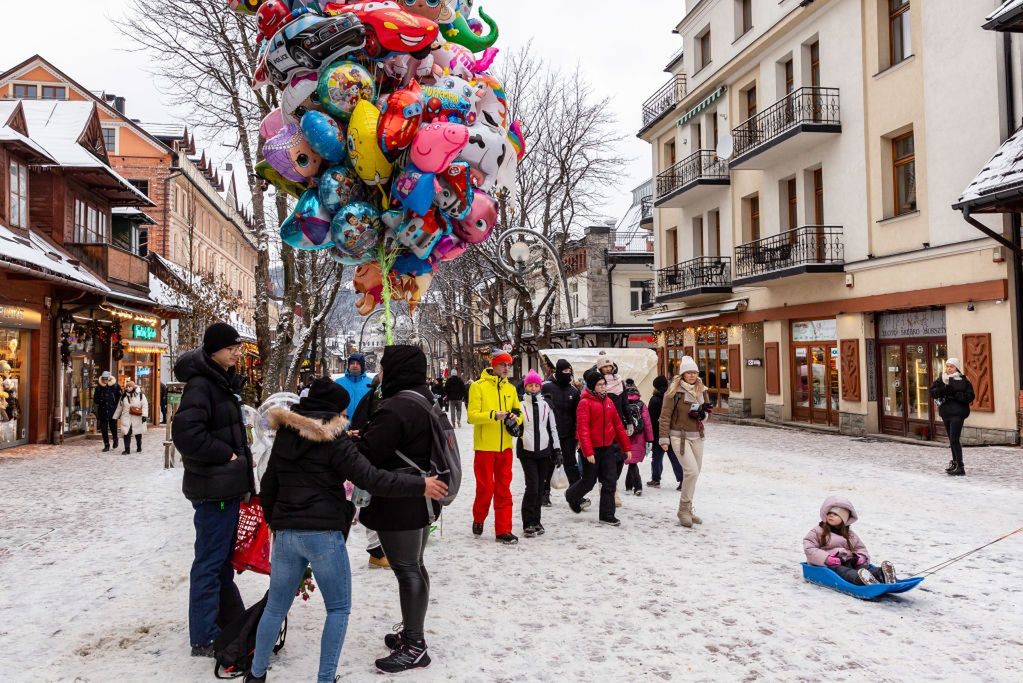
(367, 158)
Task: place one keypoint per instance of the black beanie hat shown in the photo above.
(219, 336)
(325, 396)
(591, 377)
(661, 383)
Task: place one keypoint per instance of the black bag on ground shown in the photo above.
(234, 647)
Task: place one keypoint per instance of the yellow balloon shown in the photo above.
(367, 158)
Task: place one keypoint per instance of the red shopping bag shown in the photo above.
(252, 540)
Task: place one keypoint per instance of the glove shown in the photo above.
(144, 419)
(861, 559)
(833, 560)
(556, 458)
(701, 415)
(708, 408)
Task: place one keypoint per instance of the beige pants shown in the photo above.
(690, 453)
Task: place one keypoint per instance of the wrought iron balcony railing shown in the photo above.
(807, 105)
(809, 246)
(670, 94)
(646, 209)
(697, 273)
(703, 164)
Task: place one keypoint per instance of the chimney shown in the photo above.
(115, 101)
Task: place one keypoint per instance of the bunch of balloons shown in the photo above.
(391, 134)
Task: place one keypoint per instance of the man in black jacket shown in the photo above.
(209, 433)
(563, 397)
(105, 398)
(657, 455)
(455, 391)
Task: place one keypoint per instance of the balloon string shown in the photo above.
(941, 565)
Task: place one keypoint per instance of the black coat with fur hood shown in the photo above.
(303, 487)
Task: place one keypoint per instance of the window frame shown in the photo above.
(139, 184)
(750, 103)
(91, 224)
(111, 148)
(895, 18)
(17, 193)
(754, 217)
(792, 201)
(27, 87)
(703, 50)
(746, 7)
(818, 196)
(899, 163)
(815, 64)
(61, 88)
(789, 72)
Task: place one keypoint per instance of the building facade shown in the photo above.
(805, 157)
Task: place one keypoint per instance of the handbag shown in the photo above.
(252, 539)
(135, 410)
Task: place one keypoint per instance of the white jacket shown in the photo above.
(126, 420)
(548, 426)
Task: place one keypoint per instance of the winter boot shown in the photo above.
(638, 492)
(254, 679)
(530, 531)
(379, 562)
(611, 521)
(888, 569)
(507, 539)
(127, 448)
(138, 443)
(202, 650)
(394, 640)
(477, 528)
(957, 471)
(950, 466)
(865, 576)
(540, 531)
(685, 515)
(696, 520)
(106, 447)
(409, 655)
(654, 484)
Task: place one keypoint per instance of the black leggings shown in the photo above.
(954, 427)
(535, 471)
(404, 550)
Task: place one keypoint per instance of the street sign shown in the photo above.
(754, 362)
(174, 391)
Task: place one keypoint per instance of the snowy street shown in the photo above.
(95, 550)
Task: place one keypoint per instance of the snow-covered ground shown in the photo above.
(95, 550)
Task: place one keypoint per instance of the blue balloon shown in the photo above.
(410, 264)
(356, 229)
(414, 189)
(308, 226)
(338, 186)
(324, 135)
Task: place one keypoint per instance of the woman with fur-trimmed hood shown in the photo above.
(303, 499)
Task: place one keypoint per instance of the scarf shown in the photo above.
(614, 384)
(691, 388)
(945, 377)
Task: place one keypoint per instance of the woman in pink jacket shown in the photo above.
(641, 435)
(834, 545)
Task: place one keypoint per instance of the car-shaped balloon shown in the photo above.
(389, 28)
(309, 41)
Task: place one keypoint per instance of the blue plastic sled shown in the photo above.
(822, 576)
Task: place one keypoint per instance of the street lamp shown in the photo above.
(376, 313)
(519, 252)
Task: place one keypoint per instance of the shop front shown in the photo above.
(142, 350)
(708, 346)
(17, 325)
(814, 363)
(85, 352)
(911, 347)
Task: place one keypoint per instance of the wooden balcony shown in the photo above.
(114, 264)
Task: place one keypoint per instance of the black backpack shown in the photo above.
(634, 416)
(234, 647)
(445, 460)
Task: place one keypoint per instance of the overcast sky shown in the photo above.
(620, 48)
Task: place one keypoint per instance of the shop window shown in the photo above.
(712, 357)
(904, 173)
(14, 386)
(19, 194)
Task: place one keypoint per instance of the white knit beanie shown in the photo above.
(955, 362)
(687, 364)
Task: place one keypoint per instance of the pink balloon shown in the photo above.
(437, 144)
(482, 218)
(448, 249)
(271, 124)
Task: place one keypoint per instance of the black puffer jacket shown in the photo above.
(207, 430)
(564, 400)
(303, 486)
(654, 408)
(955, 397)
(400, 423)
(105, 398)
(454, 389)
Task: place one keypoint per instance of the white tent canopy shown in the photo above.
(638, 364)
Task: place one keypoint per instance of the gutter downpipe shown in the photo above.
(1014, 218)
(611, 264)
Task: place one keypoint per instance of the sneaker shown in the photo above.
(888, 569)
(393, 640)
(407, 657)
(507, 539)
(379, 563)
(613, 521)
(866, 577)
(654, 484)
(477, 528)
(638, 492)
(202, 650)
(254, 679)
(584, 503)
(530, 532)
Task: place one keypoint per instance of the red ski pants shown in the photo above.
(493, 481)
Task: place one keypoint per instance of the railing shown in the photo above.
(113, 263)
(808, 245)
(805, 105)
(702, 271)
(646, 300)
(646, 209)
(703, 164)
(670, 94)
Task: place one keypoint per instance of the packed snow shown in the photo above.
(95, 550)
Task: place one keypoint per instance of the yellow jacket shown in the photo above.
(489, 395)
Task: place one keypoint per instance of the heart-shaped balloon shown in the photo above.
(325, 136)
(308, 227)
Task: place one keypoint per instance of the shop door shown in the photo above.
(907, 371)
(815, 383)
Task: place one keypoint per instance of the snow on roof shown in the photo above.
(7, 107)
(173, 131)
(133, 212)
(1007, 6)
(1002, 172)
(37, 253)
(8, 134)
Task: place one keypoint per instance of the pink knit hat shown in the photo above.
(532, 377)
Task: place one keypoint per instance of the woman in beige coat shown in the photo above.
(684, 409)
(132, 414)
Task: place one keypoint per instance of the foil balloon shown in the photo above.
(429, 9)
(369, 284)
(410, 264)
(355, 230)
(299, 96)
(245, 6)
(324, 135)
(308, 227)
(271, 124)
(367, 158)
(421, 233)
(454, 191)
(289, 152)
(448, 249)
(458, 31)
(338, 186)
(270, 17)
(486, 151)
(446, 105)
(400, 118)
(437, 144)
(342, 85)
(479, 223)
(493, 105)
(462, 89)
(268, 173)
(414, 189)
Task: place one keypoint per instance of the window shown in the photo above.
(743, 17)
(90, 224)
(818, 197)
(639, 294)
(143, 246)
(697, 137)
(789, 74)
(750, 101)
(753, 207)
(671, 237)
(110, 138)
(815, 64)
(669, 154)
(141, 185)
(697, 236)
(19, 194)
(54, 92)
(904, 166)
(25, 92)
(703, 50)
(714, 233)
(899, 39)
(792, 216)
(573, 294)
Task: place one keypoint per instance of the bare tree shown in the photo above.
(208, 298)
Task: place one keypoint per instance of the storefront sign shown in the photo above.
(641, 339)
(911, 324)
(871, 371)
(814, 330)
(754, 362)
(143, 332)
(19, 316)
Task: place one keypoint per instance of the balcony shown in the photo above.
(646, 211)
(694, 176)
(808, 249)
(113, 263)
(699, 278)
(663, 101)
(800, 120)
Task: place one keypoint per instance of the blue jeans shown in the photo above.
(657, 464)
(213, 598)
(292, 552)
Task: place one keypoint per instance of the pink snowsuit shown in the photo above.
(639, 440)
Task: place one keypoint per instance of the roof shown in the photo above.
(36, 253)
(1008, 17)
(59, 126)
(609, 329)
(134, 213)
(165, 131)
(1000, 183)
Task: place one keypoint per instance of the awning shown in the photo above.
(1008, 17)
(145, 347)
(706, 102)
(125, 313)
(666, 317)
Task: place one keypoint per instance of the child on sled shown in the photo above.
(834, 545)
